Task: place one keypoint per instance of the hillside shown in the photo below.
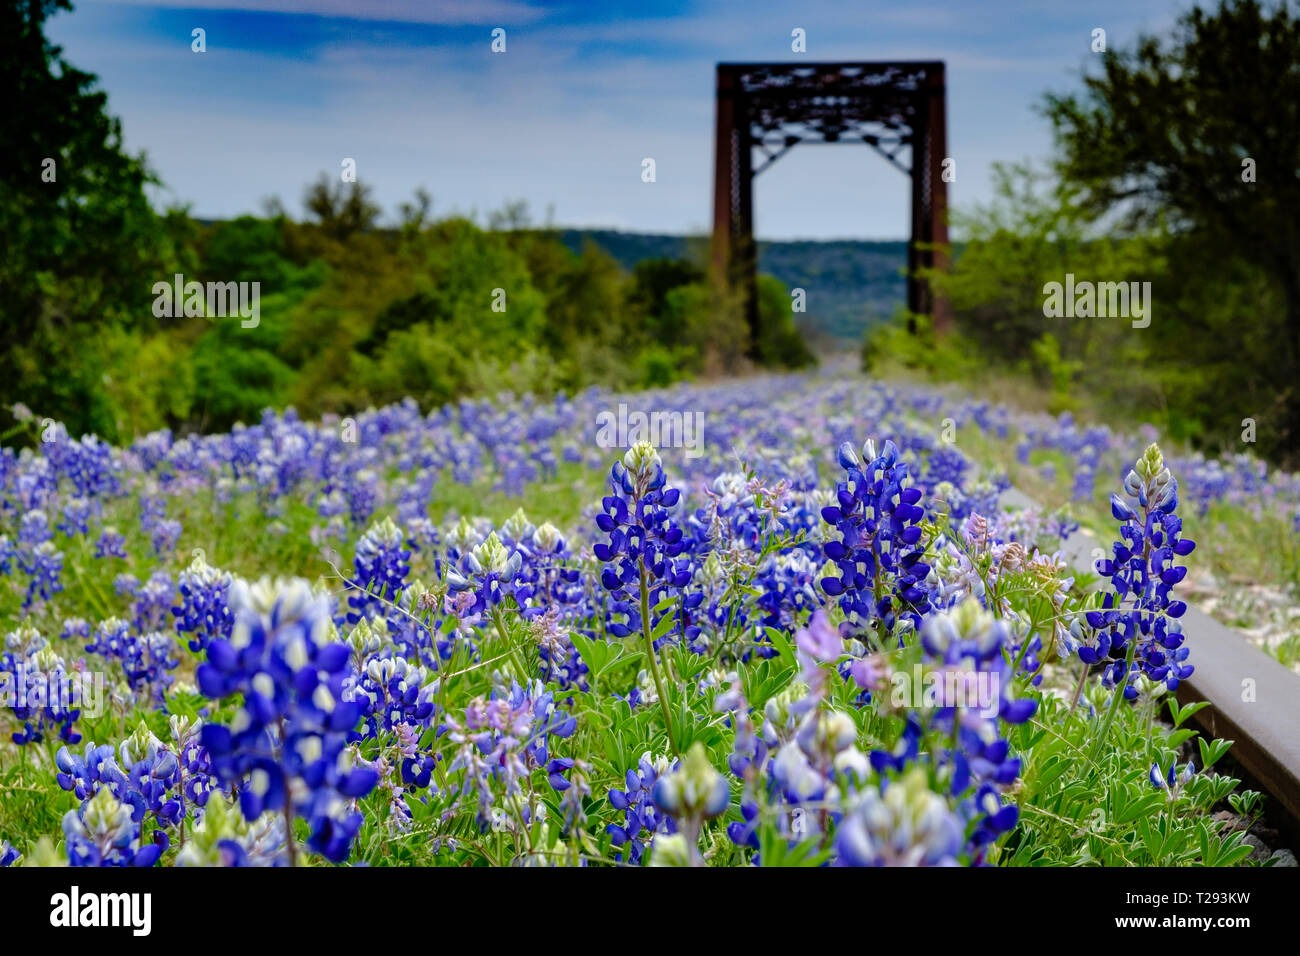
(850, 283)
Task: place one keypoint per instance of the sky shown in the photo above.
(410, 89)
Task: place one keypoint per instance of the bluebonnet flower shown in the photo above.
(87, 774)
(204, 611)
(965, 651)
(899, 823)
(993, 819)
(152, 773)
(571, 778)
(561, 662)
(1137, 625)
(34, 529)
(102, 832)
(690, 794)
(1171, 781)
(195, 782)
(76, 517)
(642, 546)
(286, 748)
(694, 791)
(504, 738)
(152, 510)
(45, 567)
(144, 775)
(75, 629)
(111, 544)
(393, 692)
(640, 815)
(164, 535)
(42, 693)
(151, 604)
(145, 659)
(361, 491)
(485, 572)
(8, 855)
(382, 563)
(881, 568)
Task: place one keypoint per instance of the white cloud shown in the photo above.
(439, 12)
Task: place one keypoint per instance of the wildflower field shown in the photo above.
(486, 635)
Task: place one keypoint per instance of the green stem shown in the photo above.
(520, 663)
(650, 654)
(1078, 690)
(1114, 704)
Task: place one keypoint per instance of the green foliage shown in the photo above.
(80, 242)
(1080, 810)
(1037, 231)
(234, 382)
(779, 342)
(907, 343)
(1199, 129)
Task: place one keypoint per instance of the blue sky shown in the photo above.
(562, 119)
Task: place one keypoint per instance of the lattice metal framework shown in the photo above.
(896, 109)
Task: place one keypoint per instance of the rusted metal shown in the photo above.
(897, 109)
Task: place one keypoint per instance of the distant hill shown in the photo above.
(850, 283)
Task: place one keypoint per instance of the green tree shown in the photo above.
(79, 245)
(1173, 129)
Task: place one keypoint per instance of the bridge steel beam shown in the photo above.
(829, 103)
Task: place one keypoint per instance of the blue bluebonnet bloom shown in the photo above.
(146, 659)
(204, 611)
(504, 738)
(75, 629)
(102, 832)
(143, 774)
(965, 650)
(152, 774)
(643, 539)
(86, 774)
(561, 662)
(151, 604)
(76, 517)
(690, 794)
(1143, 573)
(8, 553)
(222, 837)
(41, 691)
(899, 823)
(45, 566)
(111, 544)
(486, 571)
(880, 562)
(1171, 781)
(8, 855)
(287, 745)
(382, 563)
(34, 529)
(640, 815)
(393, 692)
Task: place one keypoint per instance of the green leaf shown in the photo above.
(1212, 752)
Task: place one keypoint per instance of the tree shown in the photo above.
(341, 210)
(79, 244)
(1176, 128)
